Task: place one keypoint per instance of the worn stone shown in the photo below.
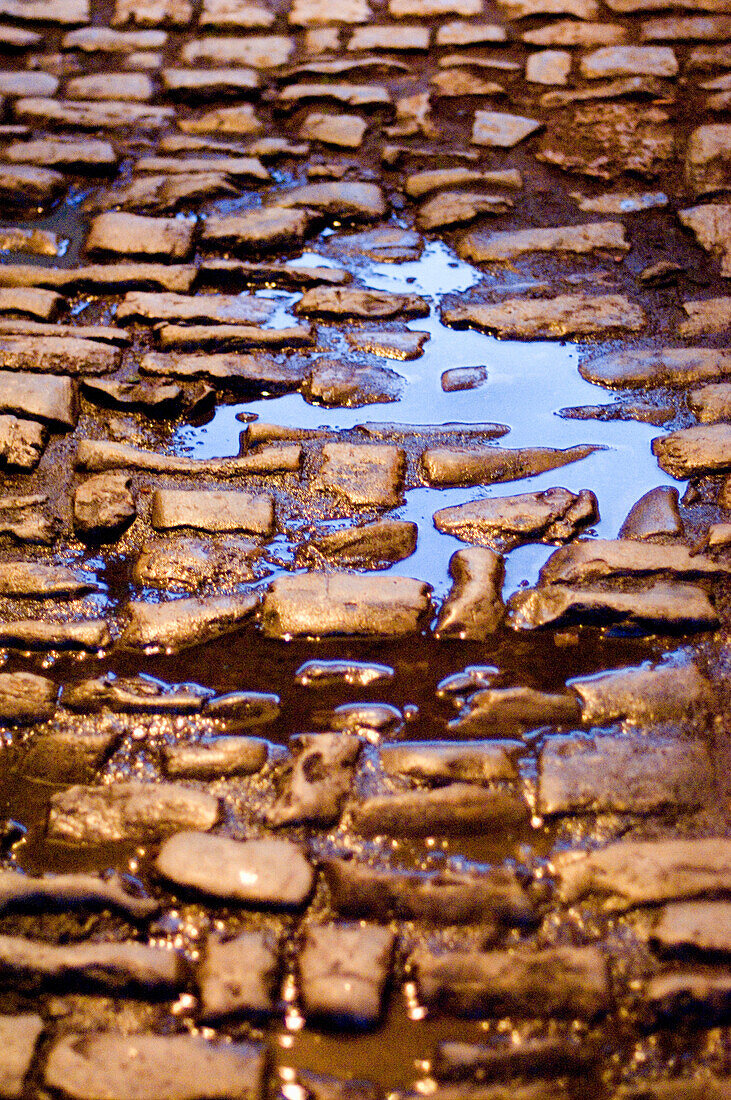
(711, 224)
(459, 809)
(365, 474)
(234, 14)
(628, 873)
(257, 230)
(511, 712)
(490, 247)
(320, 604)
(368, 304)
(89, 1066)
(497, 129)
(466, 762)
(388, 344)
(673, 606)
(117, 967)
(555, 981)
(19, 1035)
(554, 515)
(244, 709)
(25, 519)
(572, 32)
(356, 200)
(523, 9)
(103, 505)
(711, 403)
(317, 781)
(215, 758)
(694, 451)
(255, 872)
(239, 120)
(40, 242)
(212, 510)
(99, 277)
(448, 896)
(370, 546)
(201, 84)
(107, 114)
(702, 926)
(344, 384)
(534, 1057)
(231, 369)
(645, 695)
(326, 674)
(132, 234)
(459, 207)
(50, 398)
(460, 32)
(343, 970)
(129, 811)
(265, 51)
(106, 40)
(665, 366)
(237, 976)
(179, 624)
(548, 67)
(226, 308)
(26, 698)
(96, 455)
(412, 36)
(463, 378)
(154, 399)
(152, 13)
(444, 466)
(21, 442)
(588, 561)
(27, 185)
(708, 159)
(708, 315)
(474, 607)
(551, 318)
(190, 564)
(688, 995)
(385, 245)
(654, 514)
(454, 81)
(604, 140)
(90, 634)
(132, 87)
(134, 695)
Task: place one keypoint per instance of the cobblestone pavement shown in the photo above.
(365, 549)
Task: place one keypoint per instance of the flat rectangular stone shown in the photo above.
(690, 452)
(365, 474)
(27, 185)
(31, 302)
(81, 153)
(113, 1066)
(628, 774)
(234, 336)
(212, 510)
(173, 277)
(321, 604)
(551, 318)
(57, 355)
(127, 87)
(703, 926)
(343, 970)
(19, 1037)
(226, 308)
(673, 606)
(50, 398)
(93, 114)
(707, 315)
(129, 811)
(179, 624)
(642, 694)
(412, 37)
(686, 28)
(586, 561)
(39, 11)
(256, 230)
(459, 809)
(486, 247)
(117, 967)
(235, 13)
(105, 40)
(131, 234)
(258, 51)
(242, 167)
(232, 369)
(238, 976)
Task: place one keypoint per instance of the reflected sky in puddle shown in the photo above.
(526, 384)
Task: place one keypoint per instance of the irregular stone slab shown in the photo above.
(690, 452)
(353, 95)
(708, 158)
(476, 761)
(460, 32)
(26, 185)
(108, 114)
(200, 84)
(711, 403)
(177, 277)
(15, 38)
(40, 581)
(512, 712)
(368, 304)
(548, 67)
(629, 61)
(256, 230)
(686, 28)
(135, 87)
(237, 120)
(89, 1066)
(25, 519)
(288, 276)
(189, 564)
(691, 995)
(179, 624)
(70, 751)
(551, 318)
(604, 140)
(620, 202)
(645, 872)
(490, 247)
(261, 51)
(712, 227)
(328, 674)
(463, 378)
(554, 515)
(343, 969)
(106, 40)
(242, 709)
(371, 546)
(627, 774)
(227, 308)
(91, 634)
(572, 32)
(40, 242)
(646, 695)
(362, 719)
(235, 13)
(134, 695)
(57, 355)
(319, 604)
(128, 811)
(664, 367)
(50, 398)
(454, 81)
(541, 1057)
(497, 129)
(459, 809)
(365, 474)
(251, 872)
(441, 897)
(212, 510)
(654, 514)
(556, 981)
(411, 37)
(43, 304)
(317, 781)
(21, 442)
(133, 234)
(152, 13)
(706, 316)
(390, 345)
(350, 199)
(673, 606)
(703, 926)
(96, 455)
(249, 168)
(474, 607)
(588, 561)
(445, 466)
(231, 369)
(83, 154)
(26, 698)
(437, 179)
(19, 1036)
(147, 397)
(234, 336)
(117, 967)
(104, 505)
(238, 976)
(458, 207)
(385, 245)
(335, 382)
(215, 758)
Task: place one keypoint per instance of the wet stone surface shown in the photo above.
(365, 549)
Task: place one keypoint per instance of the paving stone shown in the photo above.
(240, 120)
(215, 758)
(711, 403)
(497, 129)
(458, 207)
(534, 1057)
(190, 564)
(26, 698)
(71, 892)
(237, 976)
(343, 131)
(463, 378)
(703, 926)
(356, 200)
(320, 604)
(103, 505)
(89, 1066)
(25, 518)
(572, 32)
(49, 398)
(455, 81)
(686, 28)
(551, 318)
(353, 95)
(92, 114)
(254, 872)
(131, 234)
(664, 366)
(317, 781)
(688, 995)
(181, 623)
(462, 761)
(257, 230)
(422, 183)
(628, 873)
(712, 227)
(445, 466)
(708, 159)
(96, 455)
(26, 185)
(557, 981)
(409, 37)
(259, 51)
(459, 809)
(89, 635)
(135, 87)
(343, 969)
(212, 510)
(234, 370)
(385, 245)
(705, 316)
(20, 1035)
(148, 397)
(40, 242)
(129, 811)
(85, 154)
(21, 442)
(673, 606)
(460, 32)
(448, 896)
(389, 344)
(548, 67)
(645, 695)
(589, 561)
(134, 695)
(654, 514)
(489, 247)
(604, 140)
(326, 674)
(511, 712)
(370, 546)
(64, 12)
(152, 13)
(627, 774)
(474, 607)
(118, 967)
(692, 451)
(554, 515)
(177, 277)
(629, 61)
(244, 709)
(201, 84)
(234, 14)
